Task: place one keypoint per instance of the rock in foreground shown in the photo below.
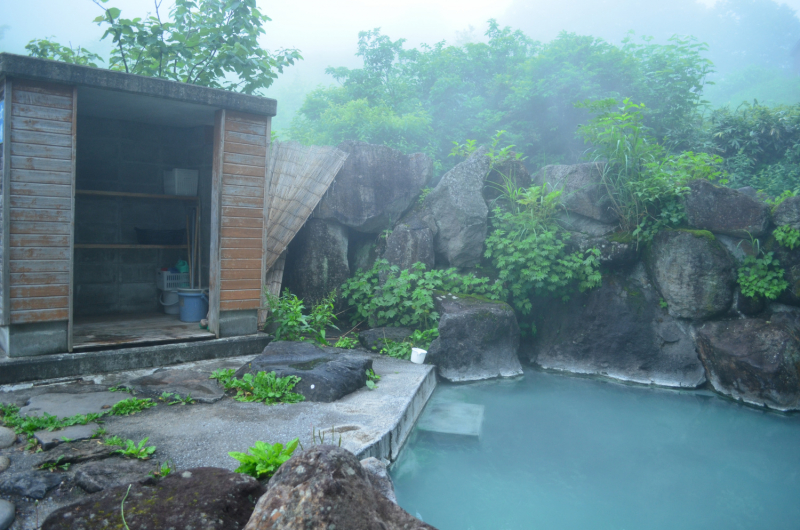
(725, 211)
(755, 360)
(206, 498)
(478, 339)
(326, 374)
(617, 330)
(326, 487)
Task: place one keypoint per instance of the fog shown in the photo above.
(326, 32)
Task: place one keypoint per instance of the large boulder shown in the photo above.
(375, 186)
(205, 498)
(582, 190)
(478, 339)
(316, 263)
(756, 360)
(411, 241)
(693, 271)
(725, 211)
(788, 213)
(326, 374)
(374, 339)
(326, 487)
(617, 330)
(460, 212)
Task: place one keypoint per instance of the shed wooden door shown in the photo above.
(238, 199)
(38, 196)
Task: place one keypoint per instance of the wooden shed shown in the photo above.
(84, 153)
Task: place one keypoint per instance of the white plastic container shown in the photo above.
(169, 301)
(418, 355)
(180, 182)
(171, 281)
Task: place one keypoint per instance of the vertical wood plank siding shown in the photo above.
(5, 86)
(239, 182)
(40, 188)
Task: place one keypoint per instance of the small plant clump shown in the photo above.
(56, 466)
(372, 379)
(132, 405)
(264, 386)
(402, 349)
(762, 275)
(175, 399)
(348, 343)
(264, 459)
(131, 449)
(28, 425)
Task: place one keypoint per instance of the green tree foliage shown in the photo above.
(422, 99)
(212, 43)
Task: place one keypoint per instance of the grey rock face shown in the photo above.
(617, 330)
(585, 226)
(788, 213)
(376, 185)
(693, 272)
(326, 487)
(411, 242)
(97, 476)
(754, 359)
(5, 462)
(75, 452)
(326, 374)
(460, 212)
(374, 339)
(7, 437)
(790, 262)
(182, 382)
(378, 474)
(478, 339)
(7, 514)
(316, 263)
(725, 211)
(33, 484)
(206, 497)
(582, 190)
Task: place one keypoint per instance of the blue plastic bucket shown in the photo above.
(193, 305)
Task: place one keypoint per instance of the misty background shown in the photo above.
(750, 41)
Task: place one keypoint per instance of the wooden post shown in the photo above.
(216, 212)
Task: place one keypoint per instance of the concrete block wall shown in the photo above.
(114, 155)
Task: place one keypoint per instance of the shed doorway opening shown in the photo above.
(132, 220)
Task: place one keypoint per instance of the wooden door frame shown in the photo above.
(216, 221)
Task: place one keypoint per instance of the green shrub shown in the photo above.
(762, 276)
(348, 343)
(787, 236)
(286, 313)
(265, 459)
(405, 298)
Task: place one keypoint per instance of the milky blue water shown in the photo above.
(569, 453)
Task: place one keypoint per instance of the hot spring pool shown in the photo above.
(559, 453)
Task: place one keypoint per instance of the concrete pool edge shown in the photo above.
(389, 445)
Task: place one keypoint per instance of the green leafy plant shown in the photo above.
(397, 350)
(57, 465)
(223, 376)
(388, 296)
(264, 459)
(163, 470)
(99, 432)
(286, 316)
(140, 451)
(114, 441)
(347, 343)
(372, 379)
(762, 275)
(663, 304)
(120, 388)
(175, 399)
(787, 236)
(132, 405)
(265, 387)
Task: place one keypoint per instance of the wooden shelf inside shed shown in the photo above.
(137, 195)
(115, 245)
